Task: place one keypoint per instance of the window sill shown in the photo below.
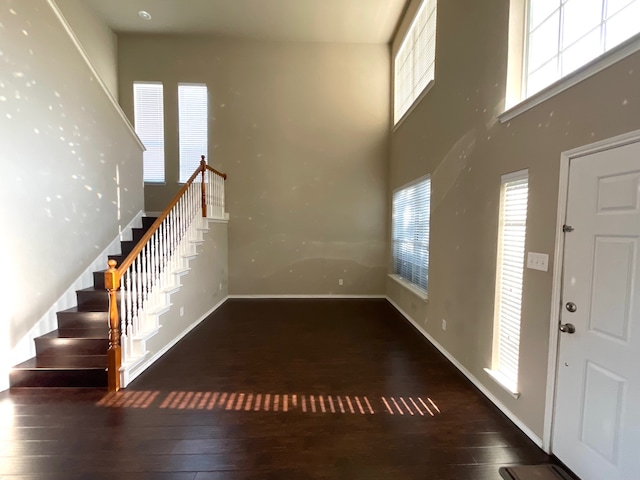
(410, 286)
(413, 106)
(604, 61)
(155, 184)
(500, 379)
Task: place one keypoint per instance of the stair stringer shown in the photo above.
(162, 312)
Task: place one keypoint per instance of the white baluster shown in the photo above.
(139, 298)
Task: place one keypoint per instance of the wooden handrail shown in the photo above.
(113, 275)
(126, 263)
(211, 169)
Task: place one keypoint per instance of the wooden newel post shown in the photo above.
(114, 354)
(203, 167)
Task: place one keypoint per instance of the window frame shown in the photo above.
(184, 158)
(396, 275)
(399, 116)
(515, 102)
(498, 370)
(148, 149)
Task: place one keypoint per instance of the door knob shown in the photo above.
(571, 307)
(567, 328)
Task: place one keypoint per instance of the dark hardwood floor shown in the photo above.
(272, 389)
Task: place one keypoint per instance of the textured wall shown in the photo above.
(302, 131)
(72, 168)
(98, 41)
(454, 135)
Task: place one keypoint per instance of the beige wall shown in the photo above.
(302, 131)
(71, 166)
(454, 135)
(98, 41)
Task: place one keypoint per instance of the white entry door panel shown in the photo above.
(597, 416)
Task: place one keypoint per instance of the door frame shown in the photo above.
(556, 294)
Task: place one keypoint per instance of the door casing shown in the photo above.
(556, 295)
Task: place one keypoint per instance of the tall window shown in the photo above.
(511, 240)
(410, 233)
(415, 61)
(563, 35)
(193, 127)
(149, 124)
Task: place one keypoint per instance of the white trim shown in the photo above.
(510, 415)
(515, 176)
(94, 72)
(595, 66)
(302, 296)
(410, 286)
(139, 368)
(556, 291)
(414, 105)
(500, 379)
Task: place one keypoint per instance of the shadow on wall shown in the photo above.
(357, 279)
(447, 173)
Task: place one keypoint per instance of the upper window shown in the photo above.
(193, 127)
(563, 35)
(410, 233)
(414, 64)
(149, 124)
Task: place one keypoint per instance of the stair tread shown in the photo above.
(66, 362)
(56, 334)
(91, 289)
(85, 309)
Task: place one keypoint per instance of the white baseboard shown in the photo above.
(26, 348)
(132, 375)
(303, 296)
(510, 415)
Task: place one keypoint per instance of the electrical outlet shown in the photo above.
(182, 311)
(444, 324)
(340, 281)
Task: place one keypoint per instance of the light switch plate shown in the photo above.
(538, 261)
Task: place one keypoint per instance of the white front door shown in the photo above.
(596, 429)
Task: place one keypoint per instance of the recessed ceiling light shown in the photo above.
(143, 14)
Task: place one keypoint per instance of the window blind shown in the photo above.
(410, 233)
(515, 190)
(148, 109)
(193, 127)
(563, 35)
(415, 61)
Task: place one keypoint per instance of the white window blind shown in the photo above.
(513, 220)
(410, 233)
(193, 127)
(563, 35)
(414, 64)
(148, 109)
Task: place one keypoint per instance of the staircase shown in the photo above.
(75, 355)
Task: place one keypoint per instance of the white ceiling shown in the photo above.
(351, 21)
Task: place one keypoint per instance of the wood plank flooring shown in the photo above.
(272, 389)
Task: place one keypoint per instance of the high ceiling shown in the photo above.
(351, 21)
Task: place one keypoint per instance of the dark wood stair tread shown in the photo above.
(88, 309)
(56, 334)
(66, 362)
